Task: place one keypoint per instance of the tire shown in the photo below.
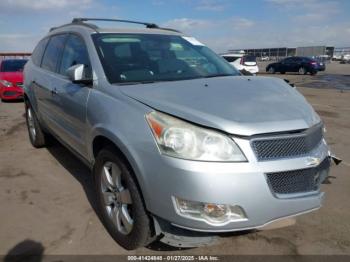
(313, 73)
(282, 73)
(302, 71)
(119, 201)
(37, 136)
(272, 70)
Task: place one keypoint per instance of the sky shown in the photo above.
(220, 24)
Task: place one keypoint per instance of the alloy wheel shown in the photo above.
(116, 197)
(31, 125)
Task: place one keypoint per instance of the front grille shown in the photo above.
(284, 146)
(10, 93)
(297, 181)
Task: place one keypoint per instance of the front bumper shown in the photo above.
(11, 93)
(254, 69)
(242, 184)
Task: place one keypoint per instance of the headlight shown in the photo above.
(181, 139)
(6, 83)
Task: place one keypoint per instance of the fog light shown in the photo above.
(209, 212)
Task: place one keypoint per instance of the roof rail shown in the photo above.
(81, 21)
(92, 26)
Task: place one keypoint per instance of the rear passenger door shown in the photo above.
(72, 98)
(44, 83)
(297, 62)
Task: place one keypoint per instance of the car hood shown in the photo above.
(13, 77)
(236, 105)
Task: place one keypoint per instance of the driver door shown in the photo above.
(287, 65)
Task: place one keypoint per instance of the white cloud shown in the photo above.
(308, 6)
(18, 42)
(289, 2)
(188, 24)
(241, 23)
(240, 32)
(211, 5)
(43, 4)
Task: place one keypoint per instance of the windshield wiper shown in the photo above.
(217, 75)
(135, 83)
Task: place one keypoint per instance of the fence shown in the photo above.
(9, 55)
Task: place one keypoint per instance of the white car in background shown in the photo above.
(265, 58)
(242, 62)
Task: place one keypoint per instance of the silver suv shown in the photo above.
(182, 147)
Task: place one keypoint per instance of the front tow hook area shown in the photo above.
(336, 160)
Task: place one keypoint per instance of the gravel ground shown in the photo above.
(47, 203)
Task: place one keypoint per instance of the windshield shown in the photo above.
(134, 58)
(12, 65)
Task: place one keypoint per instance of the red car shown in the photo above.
(11, 79)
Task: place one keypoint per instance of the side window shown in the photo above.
(287, 60)
(75, 53)
(53, 52)
(39, 51)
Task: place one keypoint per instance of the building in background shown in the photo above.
(341, 52)
(279, 53)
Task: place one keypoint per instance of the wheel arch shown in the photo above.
(103, 139)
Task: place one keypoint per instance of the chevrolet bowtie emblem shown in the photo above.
(313, 161)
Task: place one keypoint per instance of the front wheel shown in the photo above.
(119, 201)
(272, 70)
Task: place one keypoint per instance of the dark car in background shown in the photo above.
(11, 79)
(321, 63)
(302, 65)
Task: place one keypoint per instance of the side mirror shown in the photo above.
(77, 74)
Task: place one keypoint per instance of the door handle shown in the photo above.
(54, 91)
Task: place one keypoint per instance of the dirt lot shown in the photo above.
(46, 194)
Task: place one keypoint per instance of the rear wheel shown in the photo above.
(302, 71)
(283, 73)
(120, 202)
(36, 135)
(272, 70)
